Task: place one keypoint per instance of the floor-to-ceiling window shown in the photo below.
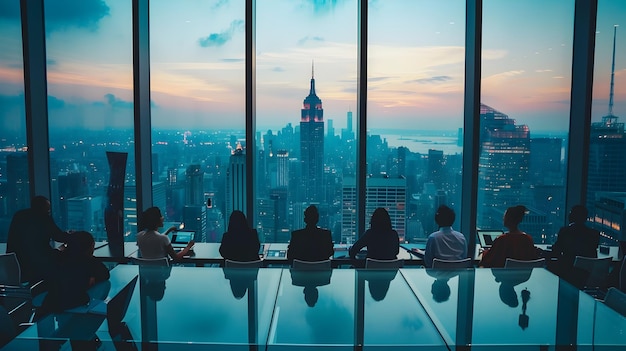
(524, 115)
(416, 54)
(14, 190)
(606, 186)
(306, 81)
(197, 78)
(90, 109)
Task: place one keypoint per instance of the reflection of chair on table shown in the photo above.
(241, 264)
(452, 264)
(616, 300)
(163, 261)
(372, 263)
(310, 280)
(513, 263)
(311, 265)
(592, 274)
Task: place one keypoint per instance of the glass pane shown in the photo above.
(197, 77)
(525, 113)
(606, 187)
(90, 109)
(416, 57)
(306, 92)
(14, 188)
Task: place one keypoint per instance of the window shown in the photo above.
(525, 113)
(14, 181)
(197, 53)
(606, 183)
(416, 55)
(90, 110)
(306, 94)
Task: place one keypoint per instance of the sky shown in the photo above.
(416, 62)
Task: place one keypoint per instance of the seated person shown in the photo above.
(381, 240)
(446, 243)
(311, 243)
(153, 244)
(513, 244)
(29, 237)
(576, 239)
(240, 242)
(78, 271)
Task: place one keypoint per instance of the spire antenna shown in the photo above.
(612, 72)
(313, 68)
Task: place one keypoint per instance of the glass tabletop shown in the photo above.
(338, 309)
(492, 308)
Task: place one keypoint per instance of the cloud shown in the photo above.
(322, 6)
(435, 79)
(278, 69)
(219, 39)
(62, 14)
(218, 4)
(233, 60)
(310, 39)
(377, 79)
(54, 102)
(114, 102)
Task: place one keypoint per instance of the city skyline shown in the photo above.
(197, 67)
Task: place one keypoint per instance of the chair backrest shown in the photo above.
(164, 261)
(118, 305)
(513, 263)
(452, 264)
(241, 264)
(373, 263)
(311, 265)
(10, 273)
(616, 300)
(622, 275)
(598, 269)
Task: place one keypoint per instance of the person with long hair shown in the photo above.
(513, 244)
(381, 239)
(153, 244)
(240, 242)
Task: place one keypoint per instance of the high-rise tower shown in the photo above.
(312, 146)
(236, 182)
(502, 167)
(607, 159)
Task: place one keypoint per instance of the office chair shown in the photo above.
(622, 275)
(10, 272)
(372, 263)
(597, 274)
(311, 265)
(616, 300)
(524, 264)
(164, 261)
(241, 264)
(452, 264)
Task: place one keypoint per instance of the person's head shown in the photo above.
(40, 204)
(80, 243)
(311, 215)
(445, 216)
(380, 220)
(237, 222)
(152, 219)
(578, 214)
(311, 295)
(514, 215)
(440, 290)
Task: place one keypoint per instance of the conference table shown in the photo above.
(211, 308)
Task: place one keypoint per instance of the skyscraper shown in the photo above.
(312, 146)
(503, 165)
(607, 159)
(236, 182)
(194, 189)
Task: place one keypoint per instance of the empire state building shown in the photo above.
(312, 146)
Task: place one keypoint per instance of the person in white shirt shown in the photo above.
(446, 243)
(153, 244)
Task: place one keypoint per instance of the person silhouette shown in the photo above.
(381, 240)
(240, 242)
(153, 244)
(311, 243)
(512, 244)
(30, 233)
(310, 281)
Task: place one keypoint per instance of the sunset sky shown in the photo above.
(416, 55)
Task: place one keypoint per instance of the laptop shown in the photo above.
(180, 239)
(487, 236)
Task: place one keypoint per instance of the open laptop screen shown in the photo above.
(486, 237)
(181, 237)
